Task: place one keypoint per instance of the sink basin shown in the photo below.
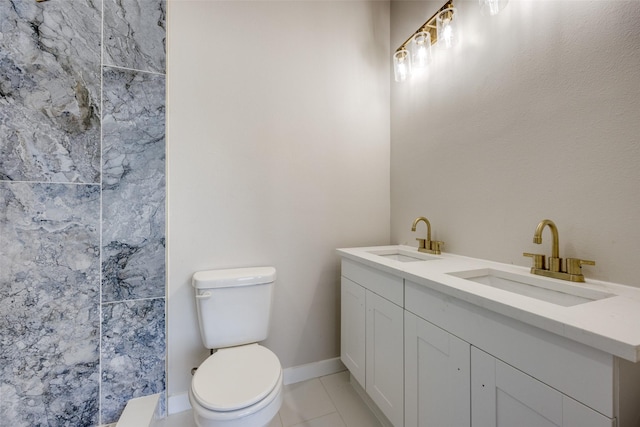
(403, 255)
(564, 294)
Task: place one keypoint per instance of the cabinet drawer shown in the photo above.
(384, 284)
(579, 371)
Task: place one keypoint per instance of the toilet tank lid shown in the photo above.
(233, 277)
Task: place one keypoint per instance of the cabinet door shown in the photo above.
(352, 329)
(502, 395)
(437, 376)
(385, 357)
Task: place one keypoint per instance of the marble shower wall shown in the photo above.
(49, 304)
(50, 91)
(133, 238)
(82, 302)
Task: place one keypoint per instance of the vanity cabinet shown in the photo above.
(427, 358)
(372, 341)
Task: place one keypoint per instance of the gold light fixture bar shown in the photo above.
(429, 26)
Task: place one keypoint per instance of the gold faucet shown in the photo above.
(573, 266)
(427, 245)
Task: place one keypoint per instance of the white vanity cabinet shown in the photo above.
(372, 341)
(428, 357)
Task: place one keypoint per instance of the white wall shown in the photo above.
(278, 153)
(535, 115)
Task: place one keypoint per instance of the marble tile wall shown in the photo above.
(134, 34)
(50, 91)
(82, 301)
(133, 237)
(49, 304)
(133, 182)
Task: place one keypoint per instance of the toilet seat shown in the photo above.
(236, 377)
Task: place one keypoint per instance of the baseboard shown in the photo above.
(295, 374)
(321, 368)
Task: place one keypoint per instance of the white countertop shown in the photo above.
(611, 324)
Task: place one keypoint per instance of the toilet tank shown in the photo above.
(233, 305)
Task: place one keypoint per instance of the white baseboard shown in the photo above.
(295, 374)
(321, 368)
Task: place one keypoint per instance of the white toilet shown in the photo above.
(240, 385)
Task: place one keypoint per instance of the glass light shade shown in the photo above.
(401, 65)
(492, 7)
(421, 50)
(446, 25)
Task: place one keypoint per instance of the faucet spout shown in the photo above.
(426, 221)
(537, 236)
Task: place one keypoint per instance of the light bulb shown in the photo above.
(401, 65)
(447, 32)
(446, 28)
(421, 50)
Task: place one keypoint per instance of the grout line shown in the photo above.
(100, 313)
(134, 69)
(134, 300)
(8, 181)
(304, 423)
(333, 401)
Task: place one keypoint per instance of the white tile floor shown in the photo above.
(328, 401)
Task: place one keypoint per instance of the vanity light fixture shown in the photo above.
(415, 52)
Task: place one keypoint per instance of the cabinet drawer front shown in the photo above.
(437, 376)
(576, 370)
(385, 357)
(379, 282)
(501, 395)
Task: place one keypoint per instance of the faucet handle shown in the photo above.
(422, 243)
(574, 265)
(435, 246)
(538, 260)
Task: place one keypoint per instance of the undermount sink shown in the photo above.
(564, 294)
(403, 255)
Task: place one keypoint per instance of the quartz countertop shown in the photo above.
(610, 324)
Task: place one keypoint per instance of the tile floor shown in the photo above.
(328, 401)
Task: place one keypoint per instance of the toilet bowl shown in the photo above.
(237, 387)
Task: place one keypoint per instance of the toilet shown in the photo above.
(240, 384)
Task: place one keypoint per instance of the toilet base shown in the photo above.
(257, 415)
